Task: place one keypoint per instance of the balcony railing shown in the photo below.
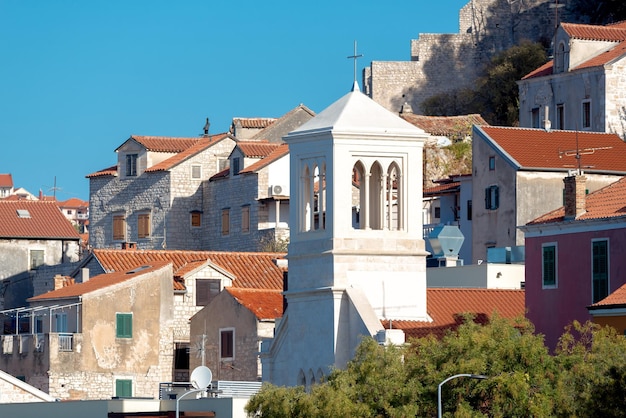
(65, 342)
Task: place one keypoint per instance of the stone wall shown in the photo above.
(443, 62)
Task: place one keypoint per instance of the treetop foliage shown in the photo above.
(585, 377)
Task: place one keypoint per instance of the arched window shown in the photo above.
(359, 205)
(393, 199)
(376, 196)
(560, 58)
(306, 199)
(320, 196)
(301, 378)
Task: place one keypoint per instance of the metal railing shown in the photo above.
(65, 342)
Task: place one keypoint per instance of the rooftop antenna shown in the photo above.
(355, 57)
(578, 153)
(55, 188)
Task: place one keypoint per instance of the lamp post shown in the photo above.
(473, 376)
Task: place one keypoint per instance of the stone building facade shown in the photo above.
(441, 63)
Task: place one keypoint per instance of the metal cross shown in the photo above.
(355, 57)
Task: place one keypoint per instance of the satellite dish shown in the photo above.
(201, 377)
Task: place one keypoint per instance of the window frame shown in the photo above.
(492, 197)
(492, 162)
(144, 225)
(195, 218)
(554, 284)
(131, 165)
(535, 117)
(123, 325)
(560, 116)
(585, 114)
(205, 296)
(193, 169)
(227, 345)
(119, 227)
(32, 261)
(245, 219)
(125, 386)
(594, 265)
(236, 166)
(225, 222)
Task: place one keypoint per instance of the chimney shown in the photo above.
(59, 282)
(575, 196)
(84, 273)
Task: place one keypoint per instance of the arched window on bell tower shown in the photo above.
(393, 199)
(376, 196)
(306, 199)
(313, 195)
(359, 202)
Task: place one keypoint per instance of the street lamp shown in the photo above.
(473, 376)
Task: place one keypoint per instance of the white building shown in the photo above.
(343, 280)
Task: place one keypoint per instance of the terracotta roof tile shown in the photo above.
(444, 125)
(279, 152)
(447, 306)
(605, 57)
(265, 304)
(109, 171)
(6, 180)
(615, 300)
(545, 69)
(41, 220)
(221, 175)
(607, 202)
(73, 202)
(201, 145)
(253, 123)
(555, 150)
(256, 149)
(165, 143)
(442, 188)
(250, 270)
(614, 33)
(99, 282)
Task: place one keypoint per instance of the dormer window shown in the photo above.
(131, 165)
(236, 166)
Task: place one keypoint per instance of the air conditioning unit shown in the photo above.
(279, 190)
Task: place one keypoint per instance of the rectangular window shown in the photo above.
(469, 210)
(119, 227)
(196, 219)
(227, 346)
(245, 219)
(236, 167)
(60, 322)
(586, 114)
(549, 266)
(206, 290)
(123, 325)
(226, 221)
(36, 259)
(131, 165)
(196, 172)
(437, 212)
(143, 225)
(560, 116)
(534, 118)
(492, 163)
(492, 198)
(123, 388)
(600, 270)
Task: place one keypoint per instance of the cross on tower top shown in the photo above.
(355, 56)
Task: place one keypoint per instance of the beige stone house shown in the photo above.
(152, 198)
(108, 336)
(517, 176)
(228, 332)
(582, 88)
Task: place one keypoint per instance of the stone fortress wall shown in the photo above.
(444, 62)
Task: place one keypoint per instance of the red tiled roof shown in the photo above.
(442, 188)
(202, 144)
(6, 180)
(264, 304)
(545, 69)
(44, 220)
(109, 171)
(256, 149)
(221, 175)
(253, 123)
(607, 202)
(447, 306)
(605, 57)
(73, 202)
(615, 33)
(98, 282)
(616, 299)
(444, 125)
(165, 143)
(555, 150)
(279, 152)
(250, 270)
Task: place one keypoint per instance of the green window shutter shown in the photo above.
(123, 388)
(549, 266)
(124, 325)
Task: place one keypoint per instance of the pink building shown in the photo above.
(575, 256)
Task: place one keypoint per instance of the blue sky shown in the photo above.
(77, 78)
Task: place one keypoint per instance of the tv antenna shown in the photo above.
(579, 152)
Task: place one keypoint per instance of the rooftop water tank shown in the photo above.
(446, 240)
